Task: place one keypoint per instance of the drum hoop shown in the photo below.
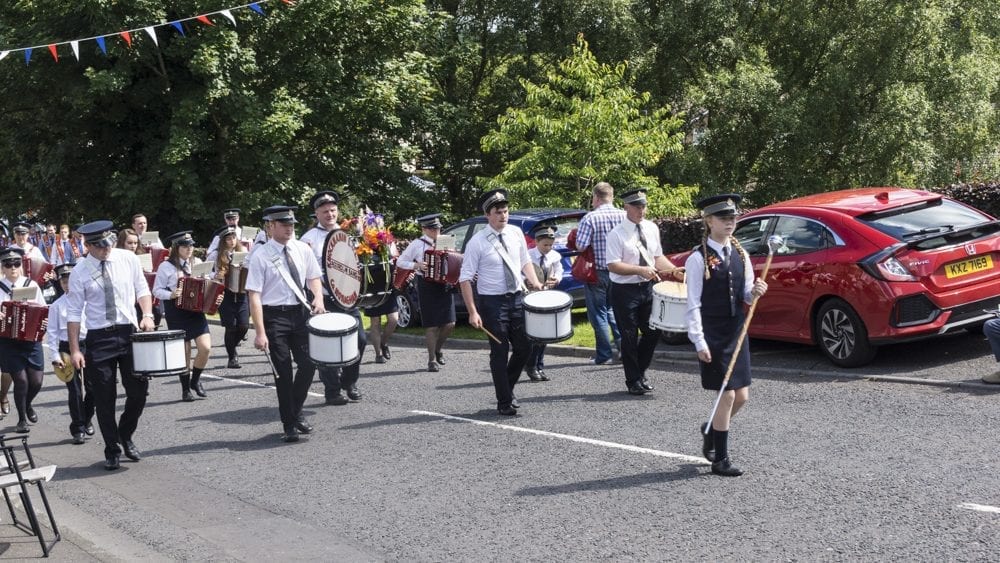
(332, 332)
(157, 335)
(549, 308)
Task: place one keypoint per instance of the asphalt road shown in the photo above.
(840, 465)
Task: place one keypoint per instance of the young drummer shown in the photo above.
(81, 399)
(715, 317)
(550, 271)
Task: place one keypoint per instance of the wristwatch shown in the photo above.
(148, 316)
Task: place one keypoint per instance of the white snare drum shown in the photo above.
(333, 339)
(669, 307)
(547, 316)
(158, 353)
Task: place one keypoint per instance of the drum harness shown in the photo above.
(502, 251)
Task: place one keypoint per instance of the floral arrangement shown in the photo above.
(714, 262)
(375, 240)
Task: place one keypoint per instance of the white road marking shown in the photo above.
(254, 384)
(980, 507)
(571, 438)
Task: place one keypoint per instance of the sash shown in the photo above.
(277, 260)
(508, 262)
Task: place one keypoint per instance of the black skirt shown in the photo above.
(388, 306)
(437, 303)
(17, 356)
(721, 334)
(193, 324)
(234, 309)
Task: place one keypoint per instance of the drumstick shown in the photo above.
(495, 339)
(274, 372)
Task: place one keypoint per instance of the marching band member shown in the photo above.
(437, 304)
(47, 242)
(232, 218)
(234, 312)
(139, 225)
(167, 289)
(62, 251)
(278, 272)
(549, 263)
(109, 281)
(635, 260)
(129, 240)
(80, 397)
(32, 252)
(499, 255)
(715, 317)
(24, 361)
(336, 381)
(77, 244)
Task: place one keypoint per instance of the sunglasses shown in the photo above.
(11, 263)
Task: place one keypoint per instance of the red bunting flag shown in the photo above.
(127, 37)
(55, 54)
(204, 20)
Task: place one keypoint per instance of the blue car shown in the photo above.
(565, 221)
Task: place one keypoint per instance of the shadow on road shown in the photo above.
(683, 472)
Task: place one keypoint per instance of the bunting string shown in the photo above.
(150, 30)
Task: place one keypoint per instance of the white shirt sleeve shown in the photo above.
(55, 327)
(695, 268)
(166, 282)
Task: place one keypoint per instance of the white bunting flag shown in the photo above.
(75, 45)
(4, 54)
(152, 35)
(229, 16)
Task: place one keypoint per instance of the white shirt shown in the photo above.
(264, 277)
(553, 264)
(32, 253)
(315, 238)
(167, 279)
(414, 253)
(695, 268)
(215, 242)
(86, 288)
(482, 258)
(21, 281)
(56, 331)
(623, 246)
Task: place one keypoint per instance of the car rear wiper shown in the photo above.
(930, 230)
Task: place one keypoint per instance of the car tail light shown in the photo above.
(885, 266)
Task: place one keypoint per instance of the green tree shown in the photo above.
(585, 124)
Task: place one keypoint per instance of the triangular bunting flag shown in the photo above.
(127, 37)
(55, 53)
(289, 2)
(256, 7)
(180, 28)
(229, 16)
(152, 35)
(204, 20)
(100, 43)
(75, 45)
(27, 56)
(3, 55)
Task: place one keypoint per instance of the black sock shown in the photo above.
(721, 444)
(195, 373)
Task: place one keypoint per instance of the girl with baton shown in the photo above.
(717, 321)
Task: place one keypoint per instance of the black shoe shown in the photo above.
(198, 389)
(385, 353)
(726, 469)
(130, 450)
(379, 359)
(338, 399)
(78, 438)
(507, 411)
(89, 430)
(637, 389)
(533, 375)
(431, 366)
(22, 427)
(32, 416)
(542, 376)
(514, 403)
(707, 443)
(112, 463)
(353, 393)
(186, 396)
(303, 426)
(645, 384)
(291, 434)
(234, 363)
(439, 357)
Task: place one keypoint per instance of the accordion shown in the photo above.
(158, 256)
(23, 320)
(36, 270)
(443, 266)
(401, 277)
(150, 280)
(236, 278)
(199, 295)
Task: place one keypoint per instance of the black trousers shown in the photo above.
(109, 351)
(503, 315)
(81, 398)
(288, 337)
(335, 379)
(633, 303)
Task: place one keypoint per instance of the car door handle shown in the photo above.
(807, 267)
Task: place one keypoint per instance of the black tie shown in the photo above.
(185, 269)
(109, 293)
(291, 268)
(725, 256)
(642, 241)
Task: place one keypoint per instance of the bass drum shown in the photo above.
(351, 283)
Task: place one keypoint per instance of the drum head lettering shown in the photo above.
(340, 269)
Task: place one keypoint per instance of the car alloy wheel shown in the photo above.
(842, 336)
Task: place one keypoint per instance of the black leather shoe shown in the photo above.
(234, 363)
(338, 399)
(439, 357)
(726, 469)
(379, 359)
(78, 438)
(303, 426)
(431, 366)
(131, 452)
(32, 416)
(507, 411)
(291, 434)
(385, 353)
(644, 383)
(533, 375)
(89, 430)
(637, 389)
(707, 443)
(112, 463)
(353, 393)
(186, 396)
(542, 376)
(198, 389)
(22, 427)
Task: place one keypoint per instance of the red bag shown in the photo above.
(584, 268)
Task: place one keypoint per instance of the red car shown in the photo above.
(865, 267)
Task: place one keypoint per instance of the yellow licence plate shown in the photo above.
(970, 266)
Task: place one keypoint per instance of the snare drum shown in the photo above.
(351, 283)
(669, 307)
(547, 315)
(333, 339)
(158, 353)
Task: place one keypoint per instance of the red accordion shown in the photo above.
(150, 281)
(36, 270)
(158, 256)
(401, 277)
(199, 295)
(443, 266)
(23, 320)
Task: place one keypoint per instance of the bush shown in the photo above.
(981, 195)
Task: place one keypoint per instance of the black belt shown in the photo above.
(283, 308)
(112, 328)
